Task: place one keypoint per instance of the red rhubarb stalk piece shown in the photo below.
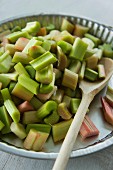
(21, 43)
(25, 106)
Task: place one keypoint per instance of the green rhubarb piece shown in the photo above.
(4, 34)
(58, 95)
(89, 42)
(18, 129)
(89, 53)
(21, 92)
(4, 117)
(13, 37)
(66, 100)
(78, 49)
(70, 79)
(30, 117)
(50, 27)
(109, 95)
(12, 139)
(65, 46)
(53, 46)
(5, 94)
(45, 75)
(47, 88)
(98, 53)
(52, 119)
(16, 28)
(75, 66)
(39, 127)
(92, 62)
(5, 62)
(12, 110)
(4, 80)
(96, 40)
(32, 42)
(10, 48)
(82, 71)
(21, 57)
(101, 71)
(1, 125)
(46, 45)
(62, 59)
(31, 71)
(36, 103)
(43, 61)
(74, 104)
(40, 141)
(12, 76)
(32, 27)
(66, 25)
(69, 92)
(46, 109)
(60, 130)
(80, 30)
(11, 86)
(91, 74)
(64, 112)
(107, 50)
(28, 83)
(2, 50)
(58, 73)
(20, 69)
(36, 51)
(66, 36)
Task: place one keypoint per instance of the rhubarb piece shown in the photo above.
(74, 104)
(75, 66)
(12, 110)
(46, 45)
(16, 28)
(21, 43)
(58, 95)
(91, 74)
(36, 103)
(62, 59)
(21, 57)
(96, 40)
(66, 36)
(82, 71)
(78, 49)
(98, 53)
(64, 112)
(20, 69)
(35, 51)
(5, 62)
(92, 62)
(4, 117)
(31, 71)
(46, 109)
(45, 75)
(66, 100)
(43, 61)
(109, 95)
(22, 93)
(52, 119)
(47, 88)
(88, 129)
(4, 80)
(58, 73)
(89, 53)
(70, 79)
(2, 50)
(53, 46)
(5, 94)
(55, 35)
(10, 48)
(32, 27)
(3, 34)
(28, 142)
(13, 37)
(50, 27)
(30, 117)
(1, 125)
(69, 92)
(107, 50)
(40, 141)
(39, 127)
(18, 129)
(16, 100)
(66, 25)
(25, 106)
(65, 46)
(80, 30)
(78, 93)
(42, 31)
(11, 86)
(101, 71)
(12, 76)
(28, 83)
(89, 42)
(60, 130)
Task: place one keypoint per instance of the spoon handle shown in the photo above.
(67, 146)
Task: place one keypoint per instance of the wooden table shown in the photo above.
(99, 10)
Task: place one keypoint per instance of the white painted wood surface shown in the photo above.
(99, 10)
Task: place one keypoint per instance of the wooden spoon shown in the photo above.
(89, 90)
